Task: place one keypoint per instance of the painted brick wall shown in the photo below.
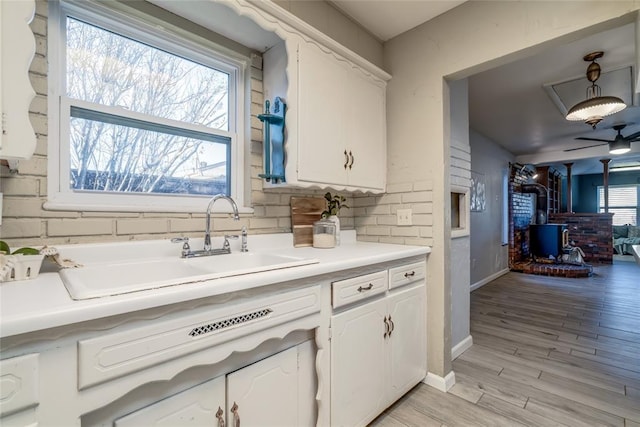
(375, 216)
(520, 215)
(26, 223)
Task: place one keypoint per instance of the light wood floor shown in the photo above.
(546, 352)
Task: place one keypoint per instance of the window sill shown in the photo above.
(199, 208)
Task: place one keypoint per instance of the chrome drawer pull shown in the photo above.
(368, 288)
(410, 274)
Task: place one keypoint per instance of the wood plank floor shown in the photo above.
(546, 352)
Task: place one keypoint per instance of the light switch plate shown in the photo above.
(404, 216)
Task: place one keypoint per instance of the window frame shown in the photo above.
(599, 199)
(162, 35)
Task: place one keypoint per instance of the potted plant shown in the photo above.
(334, 204)
(21, 264)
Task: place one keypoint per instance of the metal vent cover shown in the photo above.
(229, 322)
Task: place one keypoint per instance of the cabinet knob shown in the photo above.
(219, 416)
(236, 416)
(409, 274)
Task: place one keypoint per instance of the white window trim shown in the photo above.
(60, 196)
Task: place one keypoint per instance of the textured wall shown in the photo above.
(488, 253)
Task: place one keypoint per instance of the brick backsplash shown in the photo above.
(26, 223)
(375, 215)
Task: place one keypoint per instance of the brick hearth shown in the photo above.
(549, 269)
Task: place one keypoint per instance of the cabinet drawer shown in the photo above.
(405, 274)
(18, 383)
(358, 288)
(116, 354)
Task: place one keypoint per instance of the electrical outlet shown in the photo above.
(404, 216)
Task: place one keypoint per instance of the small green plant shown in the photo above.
(4, 248)
(334, 204)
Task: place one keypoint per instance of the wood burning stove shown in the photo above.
(547, 240)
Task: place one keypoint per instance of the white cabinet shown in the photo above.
(358, 364)
(276, 391)
(197, 406)
(378, 350)
(407, 340)
(336, 117)
(17, 47)
(19, 381)
(341, 122)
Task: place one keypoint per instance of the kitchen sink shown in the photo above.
(120, 277)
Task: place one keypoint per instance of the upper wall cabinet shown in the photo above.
(336, 114)
(17, 47)
(341, 138)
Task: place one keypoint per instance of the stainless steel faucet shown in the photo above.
(206, 250)
(207, 230)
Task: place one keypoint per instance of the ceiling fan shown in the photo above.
(619, 145)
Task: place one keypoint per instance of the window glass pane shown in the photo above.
(623, 202)
(619, 196)
(117, 158)
(109, 69)
(623, 216)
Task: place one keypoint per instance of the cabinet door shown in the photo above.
(270, 393)
(358, 364)
(196, 406)
(321, 97)
(366, 131)
(407, 343)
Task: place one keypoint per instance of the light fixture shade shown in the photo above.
(619, 146)
(600, 106)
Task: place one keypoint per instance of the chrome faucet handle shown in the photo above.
(226, 245)
(244, 247)
(186, 249)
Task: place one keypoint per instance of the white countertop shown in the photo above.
(43, 302)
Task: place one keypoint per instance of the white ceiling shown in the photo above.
(510, 105)
(387, 18)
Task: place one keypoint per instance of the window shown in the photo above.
(623, 203)
(145, 119)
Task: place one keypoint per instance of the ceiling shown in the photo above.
(387, 18)
(511, 104)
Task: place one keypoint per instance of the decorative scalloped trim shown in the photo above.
(20, 141)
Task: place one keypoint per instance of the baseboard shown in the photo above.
(486, 280)
(461, 347)
(439, 383)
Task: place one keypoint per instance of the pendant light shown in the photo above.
(595, 107)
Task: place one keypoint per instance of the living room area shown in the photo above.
(588, 194)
